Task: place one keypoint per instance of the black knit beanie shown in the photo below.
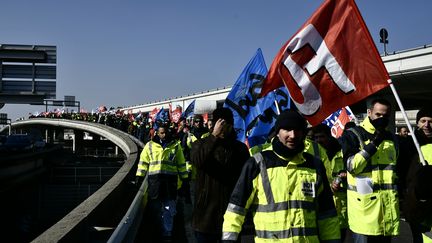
(290, 119)
(423, 112)
(223, 113)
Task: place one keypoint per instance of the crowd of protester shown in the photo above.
(138, 125)
(202, 177)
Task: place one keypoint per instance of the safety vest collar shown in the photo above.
(367, 125)
(295, 160)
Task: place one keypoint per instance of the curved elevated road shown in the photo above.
(72, 226)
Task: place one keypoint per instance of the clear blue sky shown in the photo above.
(123, 53)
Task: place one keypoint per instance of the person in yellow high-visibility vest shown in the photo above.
(338, 182)
(163, 161)
(286, 189)
(370, 154)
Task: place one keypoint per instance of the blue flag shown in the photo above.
(243, 98)
(260, 129)
(283, 98)
(162, 116)
(189, 110)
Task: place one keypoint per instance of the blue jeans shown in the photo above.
(168, 211)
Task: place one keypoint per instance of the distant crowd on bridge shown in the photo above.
(141, 125)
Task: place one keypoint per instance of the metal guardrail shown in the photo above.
(127, 229)
(73, 227)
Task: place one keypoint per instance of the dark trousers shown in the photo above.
(207, 238)
(416, 231)
(359, 238)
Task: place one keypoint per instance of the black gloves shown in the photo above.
(379, 137)
(139, 180)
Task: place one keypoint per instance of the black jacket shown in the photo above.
(218, 163)
(417, 204)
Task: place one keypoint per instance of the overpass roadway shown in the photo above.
(75, 225)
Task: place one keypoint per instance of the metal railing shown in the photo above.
(127, 229)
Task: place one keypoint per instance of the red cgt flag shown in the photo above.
(331, 62)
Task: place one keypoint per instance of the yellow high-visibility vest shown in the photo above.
(283, 201)
(373, 204)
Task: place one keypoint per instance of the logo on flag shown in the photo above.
(329, 63)
(259, 130)
(338, 119)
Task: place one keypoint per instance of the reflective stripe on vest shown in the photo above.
(265, 179)
(230, 236)
(362, 152)
(284, 234)
(376, 187)
(284, 206)
(173, 165)
(170, 163)
(271, 205)
(362, 144)
(151, 150)
(428, 235)
(164, 172)
(236, 209)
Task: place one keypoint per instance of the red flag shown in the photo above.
(205, 118)
(153, 114)
(176, 114)
(331, 62)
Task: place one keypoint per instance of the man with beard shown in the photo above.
(286, 189)
(370, 155)
(218, 160)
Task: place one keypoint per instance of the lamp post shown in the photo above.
(383, 39)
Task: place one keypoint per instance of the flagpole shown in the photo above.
(277, 107)
(416, 143)
(354, 116)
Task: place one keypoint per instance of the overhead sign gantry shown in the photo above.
(27, 73)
